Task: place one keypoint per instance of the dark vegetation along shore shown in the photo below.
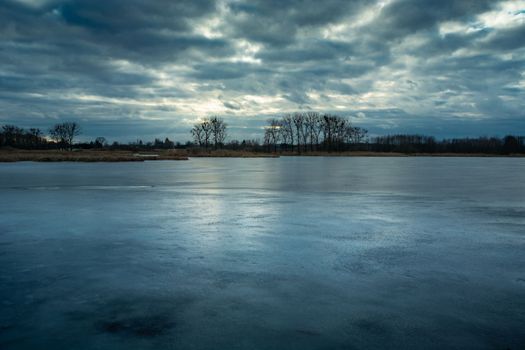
(87, 155)
(311, 133)
(112, 155)
(15, 155)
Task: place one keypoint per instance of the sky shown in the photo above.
(144, 69)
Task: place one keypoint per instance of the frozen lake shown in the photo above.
(288, 253)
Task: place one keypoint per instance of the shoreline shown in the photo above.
(399, 154)
(13, 155)
(7, 156)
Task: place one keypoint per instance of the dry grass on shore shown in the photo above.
(15, 155)
(105, 155)
(225, 153)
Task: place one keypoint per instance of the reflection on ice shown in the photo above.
(289, 253)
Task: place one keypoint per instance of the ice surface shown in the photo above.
(288, 253)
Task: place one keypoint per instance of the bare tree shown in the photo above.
(338, 133)
(287, 130)
(298, 122)
(359, 134)
(207, 132)
(198, 134)
(342, 126)
(218, 131)
(100, 142)
(35, 132)
(304, 131)
(202, 133)
(12, 134)
(65, 133)
(55, 133)
(272, 133)
(72, 130)
(328, 127)
(267, 138)
(313, 128)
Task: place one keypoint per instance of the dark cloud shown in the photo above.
(222, 71)
(148, 32)
(405, 17)
(276, 23)
(444, 67)
(507, 39)
(231, 105)
(309, 51)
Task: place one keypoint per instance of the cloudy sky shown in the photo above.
(139, 69)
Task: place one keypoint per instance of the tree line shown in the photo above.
(312, 131)
(210, 131)
(61, 136)
(428, 144)
(297, 133)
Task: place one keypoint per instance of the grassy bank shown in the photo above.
(87, 156)
(225, 153)
(106, 155)
(15, 155)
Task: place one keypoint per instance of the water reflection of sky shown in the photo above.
(312, 252)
